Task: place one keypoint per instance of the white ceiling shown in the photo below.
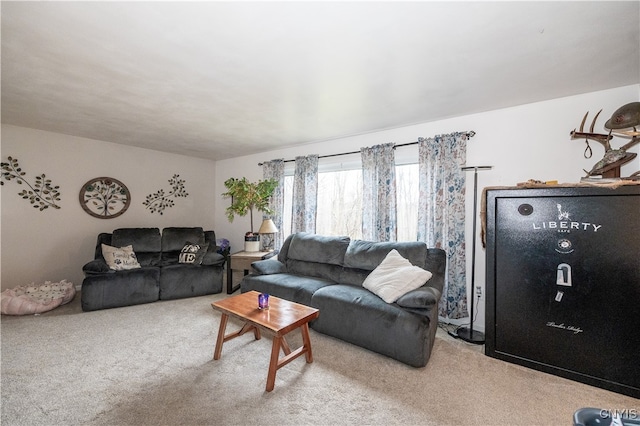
(224, 79)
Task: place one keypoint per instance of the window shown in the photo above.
(288, 207)
(407, 193)
(340, 203)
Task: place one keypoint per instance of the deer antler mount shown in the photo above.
(613, 159)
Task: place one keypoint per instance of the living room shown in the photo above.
(521, 141)
(70, 161)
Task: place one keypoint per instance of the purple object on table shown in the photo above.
(263, 301)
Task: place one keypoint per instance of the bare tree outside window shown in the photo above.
(407, 202)
(287, 215)
(340, 203)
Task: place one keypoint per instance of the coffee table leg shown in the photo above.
(220, 340)
(273, 364)
(306, 342)
(285, 346)
(245, 328)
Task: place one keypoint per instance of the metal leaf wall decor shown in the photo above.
(159, 201)
(41, 194)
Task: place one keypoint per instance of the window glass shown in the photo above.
(288, 207)
(407, 200)
(340, 203)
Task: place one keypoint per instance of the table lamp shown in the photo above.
(267, 229)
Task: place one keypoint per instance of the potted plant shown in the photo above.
(246, 196)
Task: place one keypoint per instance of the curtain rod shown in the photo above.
(469, 134)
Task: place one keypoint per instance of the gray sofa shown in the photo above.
(160, 277)
(327, 273)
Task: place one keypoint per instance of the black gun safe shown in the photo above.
(563, 282)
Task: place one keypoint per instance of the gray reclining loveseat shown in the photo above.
(161, 275)
(327, 273)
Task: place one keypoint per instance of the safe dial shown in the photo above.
(564, 246)
(525, 209)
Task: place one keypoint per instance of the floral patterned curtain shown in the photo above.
(379, 221)
(441, 212)
(305, 194)
(274, 169)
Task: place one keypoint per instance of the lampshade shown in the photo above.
(267, 227)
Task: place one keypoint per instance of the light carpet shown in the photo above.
(152, 365)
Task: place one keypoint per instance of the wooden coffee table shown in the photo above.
(281, 318)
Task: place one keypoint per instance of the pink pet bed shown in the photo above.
(35, 299)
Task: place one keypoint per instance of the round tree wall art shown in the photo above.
(105, 197)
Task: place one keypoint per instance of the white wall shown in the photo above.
(525, 142)
(54, 244)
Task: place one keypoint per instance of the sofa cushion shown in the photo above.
(96, 266)
(314, 269)
(319, 249)
(120, 258)
(353, 276)
(146, 243)
(212, 258)
(284, 250)
(368, 255)
(358, 316)
(394, 277)
(286, 286)
(187, 280)
(142, 239)
(269, 266)
(193, 253)
(424, 297)
(174, 239)
(124, 288)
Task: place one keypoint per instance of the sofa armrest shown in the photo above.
(213, 258)
(269, 266)
(97, 266)
(422, 298)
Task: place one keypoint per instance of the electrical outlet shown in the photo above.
(479, 292)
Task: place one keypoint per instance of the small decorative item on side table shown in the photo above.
(251, 242)
(263, 301)
(224, 248)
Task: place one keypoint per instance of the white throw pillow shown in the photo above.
(394, 277)
(120, 258)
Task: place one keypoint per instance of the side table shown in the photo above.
(242, 260)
